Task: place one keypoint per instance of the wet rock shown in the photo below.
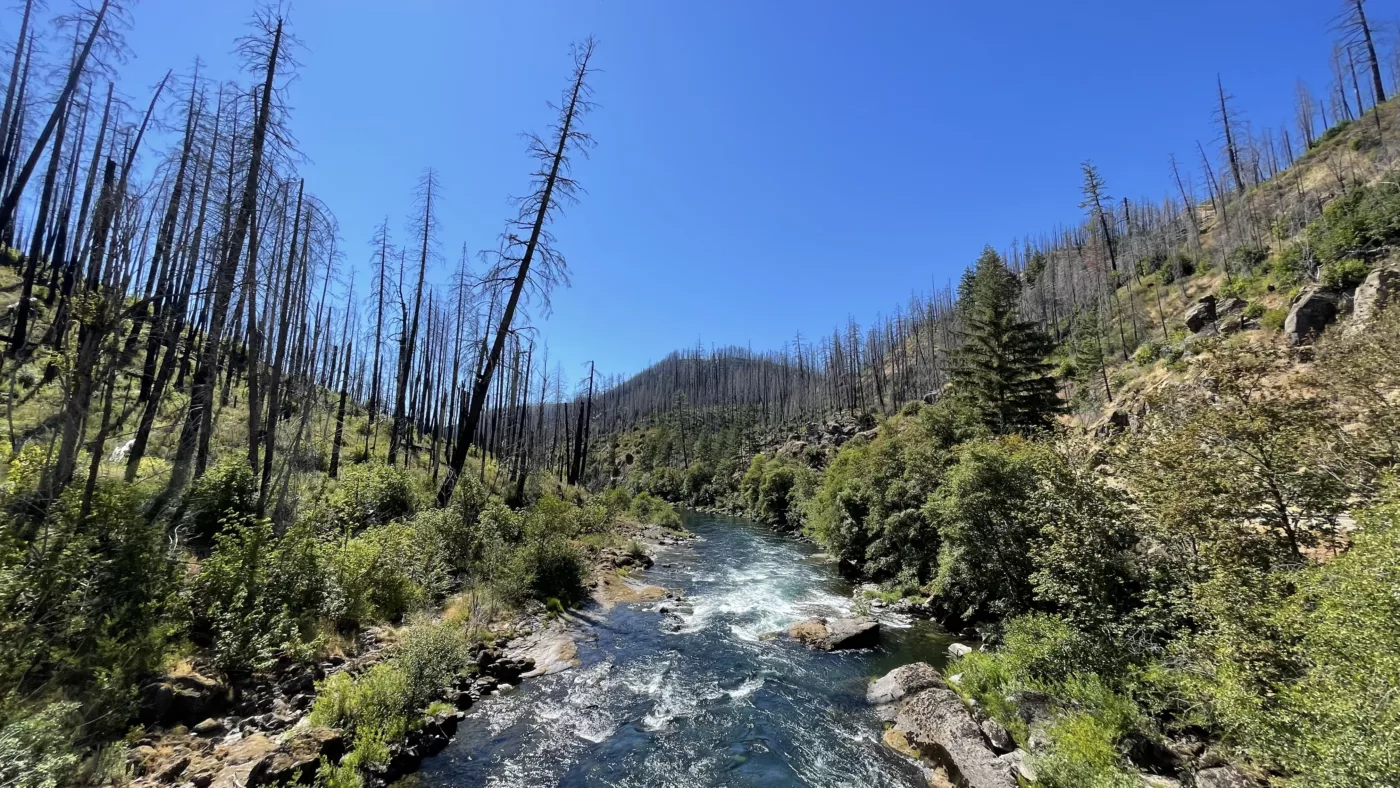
(837, 634)
(937, 724)
(1312, 311)
(1200, 314)
(902, 682)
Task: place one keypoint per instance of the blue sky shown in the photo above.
(762, 168)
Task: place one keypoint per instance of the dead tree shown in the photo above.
(553, 185)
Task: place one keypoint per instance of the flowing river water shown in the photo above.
(706, 697)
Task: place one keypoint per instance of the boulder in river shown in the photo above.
(902, 682)
(837, 634)
(937, 724)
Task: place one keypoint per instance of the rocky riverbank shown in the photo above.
(203, 732)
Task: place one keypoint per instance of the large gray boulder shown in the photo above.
(837, 634)
(1313, 310)
(1200, 314)
(1374, 294)
(902, 682)
(937, 724)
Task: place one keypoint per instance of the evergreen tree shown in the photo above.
(1000, 368)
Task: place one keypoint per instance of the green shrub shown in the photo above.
(1147, 353)
(1254, 310)
(378, 701)
(86, 603)
(371, 494)
(37, 750)
(649, 509)
(388, 572)
(1344, 274)
(431, 655)
(1273, 319)
(257, 595)
(228, 489)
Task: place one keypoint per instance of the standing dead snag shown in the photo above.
(552, 182)
(398, 430)
(194, 433)
(1357, 32)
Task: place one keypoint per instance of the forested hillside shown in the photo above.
(266, 519)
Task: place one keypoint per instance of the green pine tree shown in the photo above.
(1000, 368)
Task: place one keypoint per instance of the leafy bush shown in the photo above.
(86, 603)
(1147, 353)
(377, 702)
(1273, 320)
(228, 489)
(431, 655)
(1344, 274)
(36, 750)
(257, 596)
(1254, 310)
(649, 509)
(369, 495)
(868, 506)
(388, 572)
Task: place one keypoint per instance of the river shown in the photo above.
(704, 698)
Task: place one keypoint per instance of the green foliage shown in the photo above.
(36, 750)
(431, 655)
(1359, 224)
(370, 494)
(257, 596)
(1147, 353)
(227, 489)
(774, 490)
(1000, 368)
(647, 508)
(85, 603)
(377, 702)
(1314, 687)
(1273, 320)
(868, 506)
(387, 572)
(1344, 274)
(983, 517)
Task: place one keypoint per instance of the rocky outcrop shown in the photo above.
(937, 724)
(1378, 290)
(182, 700)
(1313, 310)
(902, 682)
(1200, 314)
(837, 634)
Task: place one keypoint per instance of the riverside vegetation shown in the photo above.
(1150, 458)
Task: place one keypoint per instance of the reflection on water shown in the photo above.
(702, 696)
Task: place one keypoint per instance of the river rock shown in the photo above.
(1312, 311)
(902, 682)
(1020, 763)
(296, 760)
(1224, 777)
(1200, 314)
(837, 634)
(957, 650)
(937, 724)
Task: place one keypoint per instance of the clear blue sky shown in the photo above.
(762, 167)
